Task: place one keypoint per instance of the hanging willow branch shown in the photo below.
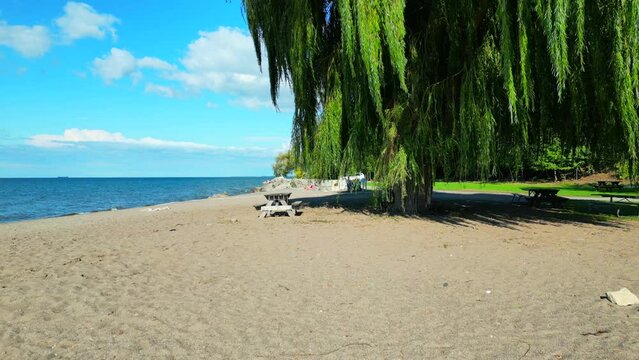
(405, 86)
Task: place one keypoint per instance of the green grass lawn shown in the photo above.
(565, 189)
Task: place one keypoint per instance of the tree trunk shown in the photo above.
(418, 197)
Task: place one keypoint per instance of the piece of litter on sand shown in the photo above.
(622, 297)
(157, 209)
(596, 333)
(488, 292)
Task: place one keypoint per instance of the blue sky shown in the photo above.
(134, 88)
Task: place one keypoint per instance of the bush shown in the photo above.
(299, 173)
(283, 164)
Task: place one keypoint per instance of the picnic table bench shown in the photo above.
(608, 185)
(538, 195)
(278, 202)
(294, 204)
(622, 197)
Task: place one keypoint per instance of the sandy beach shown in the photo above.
(210, 280)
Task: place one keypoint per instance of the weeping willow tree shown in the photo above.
(411, 86)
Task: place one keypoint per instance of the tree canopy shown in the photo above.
(283, 164)
(404, 87)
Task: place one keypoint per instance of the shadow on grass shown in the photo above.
(591, 188)
(490, 209)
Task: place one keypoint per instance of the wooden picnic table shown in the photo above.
(537, 195)
(611, 182)
(622, 197)
(608, 185)
(278, 202)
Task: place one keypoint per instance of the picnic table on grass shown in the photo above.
(621, 197)
(544, 194)
(608, 185)
(278, 202)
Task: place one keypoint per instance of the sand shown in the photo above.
(209, 280)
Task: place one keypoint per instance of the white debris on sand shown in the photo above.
(622, 297)
(156, 209)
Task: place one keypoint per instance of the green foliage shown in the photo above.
(299, 173)
(507, 55)
(403, 87)
(627, 170)
(553, 158)
(325, 157)
(622, 170)
(283, 164)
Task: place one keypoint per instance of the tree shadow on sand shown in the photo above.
(469, 209)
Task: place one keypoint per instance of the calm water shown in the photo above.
(24, 199)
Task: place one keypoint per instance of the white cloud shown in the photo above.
(118, 64)
(220, 82)
(221, 62)
(251, 102)
(154, 63)
(224, 50)
(29, 41)
(162, 90)
(136, 77)
(74, 138)
(82, 21)
(224, 62)
(79, 21)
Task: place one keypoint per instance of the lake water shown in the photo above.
(25, 199)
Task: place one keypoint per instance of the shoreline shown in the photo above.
(242, 195)
(28, 199)
(214, 196)
(483, 197)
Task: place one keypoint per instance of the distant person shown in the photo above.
(349, 184)
(362, 181)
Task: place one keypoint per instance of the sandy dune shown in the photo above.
(208, 279)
